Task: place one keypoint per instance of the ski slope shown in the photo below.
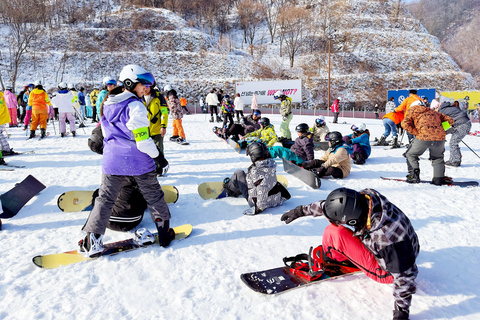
(199, 277)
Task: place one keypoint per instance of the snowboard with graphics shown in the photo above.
(52, 261)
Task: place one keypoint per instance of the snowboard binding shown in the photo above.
(144, 237)
(307, 266)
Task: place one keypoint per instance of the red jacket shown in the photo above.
(334, 106)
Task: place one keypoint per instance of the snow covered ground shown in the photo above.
(199, 277)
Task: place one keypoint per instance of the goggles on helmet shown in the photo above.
(354, 127)
(111, 82)
(146, 79)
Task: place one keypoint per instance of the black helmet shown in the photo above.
(346, 206)
(257, 113)
(264, 122)
(258, 150)
(226, 97)
(214, 129)
(302, 127)
(335, 138)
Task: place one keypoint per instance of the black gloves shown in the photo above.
(161, 164)
(315, 163)
(293, 214)
(165, 234)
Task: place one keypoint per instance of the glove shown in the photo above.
(165, 233)
(162, 164)
(284, 118)
(315, 163)
(293, 214)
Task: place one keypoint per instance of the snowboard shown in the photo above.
(74, 201)
(231, 143)
(52, 261)
(14, 199)
(462, 184)
(1, 169)
(214, 190)
(14, 153)
(306, 176)
(279, 280)
(320, 145)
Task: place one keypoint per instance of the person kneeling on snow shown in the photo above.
(358, 143)
(266, 134)
(372, 233)
(301, 150)
(259, 184)
(335, 161)
(320, 131)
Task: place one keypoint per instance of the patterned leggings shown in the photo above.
(460, 132)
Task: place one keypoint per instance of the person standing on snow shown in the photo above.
(4, 119)
(239, 106)
(40, 102)
(405, 106)
(28, 108)
(93, 102)
(21, 104)
(81, 102)
(183, 103)
(372, 233)
(428, 127)
(64, 101)
(227, 112)
(286, 113)
(390, 106)
(459, 130)
(108, 85)
(128, 154)
(259, 185)
(212, 101)
(12, 104)
(177, 115)
(157, 114)
(335, 107)
(390, 121)
(76, 104)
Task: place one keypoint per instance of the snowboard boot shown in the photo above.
(219, 119)
(173, 138)
(453, 163)
(144, 237)
(43, 134)
(62, 134)
(439, 181)
(92, 245)
(165, 234)
(413, 176)
(382, 141)
(82, 125)
(180, 140)
(358, 159)
(211, 119)
(395, 143)
(32, 134)
(2, 162)
(74, 133)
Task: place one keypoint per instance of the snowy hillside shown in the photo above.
(199, 277)
(371, 53)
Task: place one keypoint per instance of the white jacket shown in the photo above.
(238, 103)
(64, 102)
(212, 99)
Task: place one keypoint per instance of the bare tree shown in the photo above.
(251, 16)
(294, 23)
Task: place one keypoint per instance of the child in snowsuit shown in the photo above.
(63, 101)
(334, 162)
(128, 155)
(358, 143)
(176, 112)
(300, 151)
(39, 101)
(320, 131)
(266, 134)
(383, 243)
(247, 124)
(12, 104)
(4, 119)
(286, 113)
(390, 121)
(227, 112)
(259, 184)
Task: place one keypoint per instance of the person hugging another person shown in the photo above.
(259, 184)
(358, 143)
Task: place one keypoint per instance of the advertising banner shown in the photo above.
(400, 95)
(266, 89)
(470, 97)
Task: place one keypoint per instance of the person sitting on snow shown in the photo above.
(335, 161)
(266, 134)
(247, 124)
(259, 184)
(301, 150)
(372, 233)
(320, 131)
(358, 143)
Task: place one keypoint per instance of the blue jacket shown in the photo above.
(363, 140)
(81, 98)
(101, 96)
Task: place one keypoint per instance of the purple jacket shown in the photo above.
(303, 147)
(120, 153)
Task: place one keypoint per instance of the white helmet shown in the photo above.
(417, 103)
(167, 88)
(109, 81)
(133, 74)
(96, 86)
(62, 86)
(37, 83)
(71, 86)
(359, 127)
(277, 94)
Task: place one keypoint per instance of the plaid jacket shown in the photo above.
(391, 239)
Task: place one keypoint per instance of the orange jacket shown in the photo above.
(396, 117)
(39, 100)
(183, 101)
(405, 105)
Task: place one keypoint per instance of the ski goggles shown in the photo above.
(354, 127)
(111, 82)
(146, 79)
(319, 122)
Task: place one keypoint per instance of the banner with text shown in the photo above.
(266, 89)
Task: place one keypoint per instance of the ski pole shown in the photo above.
(53, 125)
(79, 118)
(470, 149)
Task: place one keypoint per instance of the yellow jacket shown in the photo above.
(157, 109)
(93, 97)
(4, 114)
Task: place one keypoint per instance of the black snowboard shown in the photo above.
(306, 176)
(279, 280)
(463, 184)
(321, 145)
(14, 199)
